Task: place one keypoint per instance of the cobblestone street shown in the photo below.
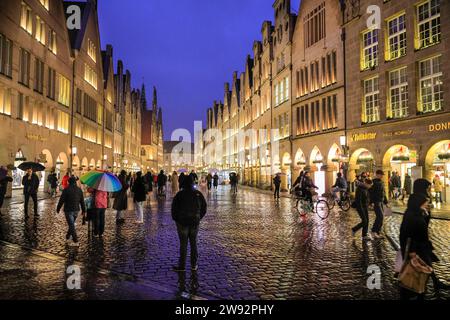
(250, 247)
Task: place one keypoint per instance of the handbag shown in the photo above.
(414, 273)
(387, 212)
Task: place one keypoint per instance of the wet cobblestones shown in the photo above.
(249, 246)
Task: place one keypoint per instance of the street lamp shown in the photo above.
(343, 141)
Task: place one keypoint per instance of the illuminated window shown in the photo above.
(78, 130)
(5, 56)
(286, 86)
(371, 100)
(52, 41)
(92, 50)
(63, 122)
(431, 91)
(40, 30)
(45, 3)
(5, 101)
(396, 39)
(398, 93)
(90, 76)
(99, 114)
(428, 24)
(24, 75)
(39, 76)
(277, 101)
(49, 122)
(64, 90)
(51, 83)
(369, 50)
(26, 20)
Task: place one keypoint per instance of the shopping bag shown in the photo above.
(387, 212)
(130, 204)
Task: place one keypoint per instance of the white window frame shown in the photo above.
(372, 100)
(369, 60)
(398, 93)
(396, 38)
(423, 43)
(431, 81)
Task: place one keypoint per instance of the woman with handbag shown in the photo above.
(414, 236)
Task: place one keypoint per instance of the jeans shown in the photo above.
(364, 224)
(378, 207)
(139, 211)
(276, 194)
(209, 185)
(99, 221)
(27, 199)
(438, 196)
(187, 233)
(119, 214)
(70, 218)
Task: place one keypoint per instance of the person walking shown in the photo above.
(277, 184)
(378, 198)
(65, 180)
(194, 177)
(100, 205)
(162, 181)
(30, 184)
(362, 207)
(181, 180)
(188, 208)
(437, 188)
(53, 182)
(174, 183)
(215, 181)
(121, 198)
(4, 179)
(209, 179)
(233, 182)
(139, 196)
(72, 200)
(407, 184)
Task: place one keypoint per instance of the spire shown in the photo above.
(155, 98)
(143, 98)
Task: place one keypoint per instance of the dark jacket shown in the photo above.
(377, 192)
(188, 207)
(4, 184)
(139, 191)
(407, 183)
(277, 181)
(216, 179)
(181, 179)
(120, 197)
(30, 186)
(362, 197)
(72, 199)
(307, 183)
(415, 226)
(162, 179)
(53, 180)
(194, 177)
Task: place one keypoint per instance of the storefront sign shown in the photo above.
(439, 126)
(35, 137)
(364, 136)
(397, 133)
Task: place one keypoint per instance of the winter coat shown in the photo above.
(437, 185)
(100, 198)
(415, 226)
(65, 181)
(174, 183)
(188, 207)
(139, 191)
(362, 197)
(4, 184)
(181, 179)
(72, 199)
(120, 197)
(277, 181)
(209, 178)
(53, 181)
(30, 186)
(407, 184)
(162, 179)
(194, 177)
(216, 180)
(308, 183)
(377, 192)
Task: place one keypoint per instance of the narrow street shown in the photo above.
(250, 247)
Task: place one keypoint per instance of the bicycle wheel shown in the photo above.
(301, 208)
(322, 209)
(345, 204)
(330, 201)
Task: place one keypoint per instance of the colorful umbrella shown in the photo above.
(182, 170)
(24, 166)
(101, 180)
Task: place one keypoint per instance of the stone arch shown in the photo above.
(48, 158)
(334, 155)
(84, 164)
(92, 164)
(438, 155)
(76, 163)
(98, 165)
(316, 156)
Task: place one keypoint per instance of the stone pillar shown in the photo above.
(329, 180)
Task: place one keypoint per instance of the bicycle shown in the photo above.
(304, 206)
(344, 202)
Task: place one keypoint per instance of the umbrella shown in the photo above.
(182, 170)
(281, 173)
(101, 180)
(24, 166)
